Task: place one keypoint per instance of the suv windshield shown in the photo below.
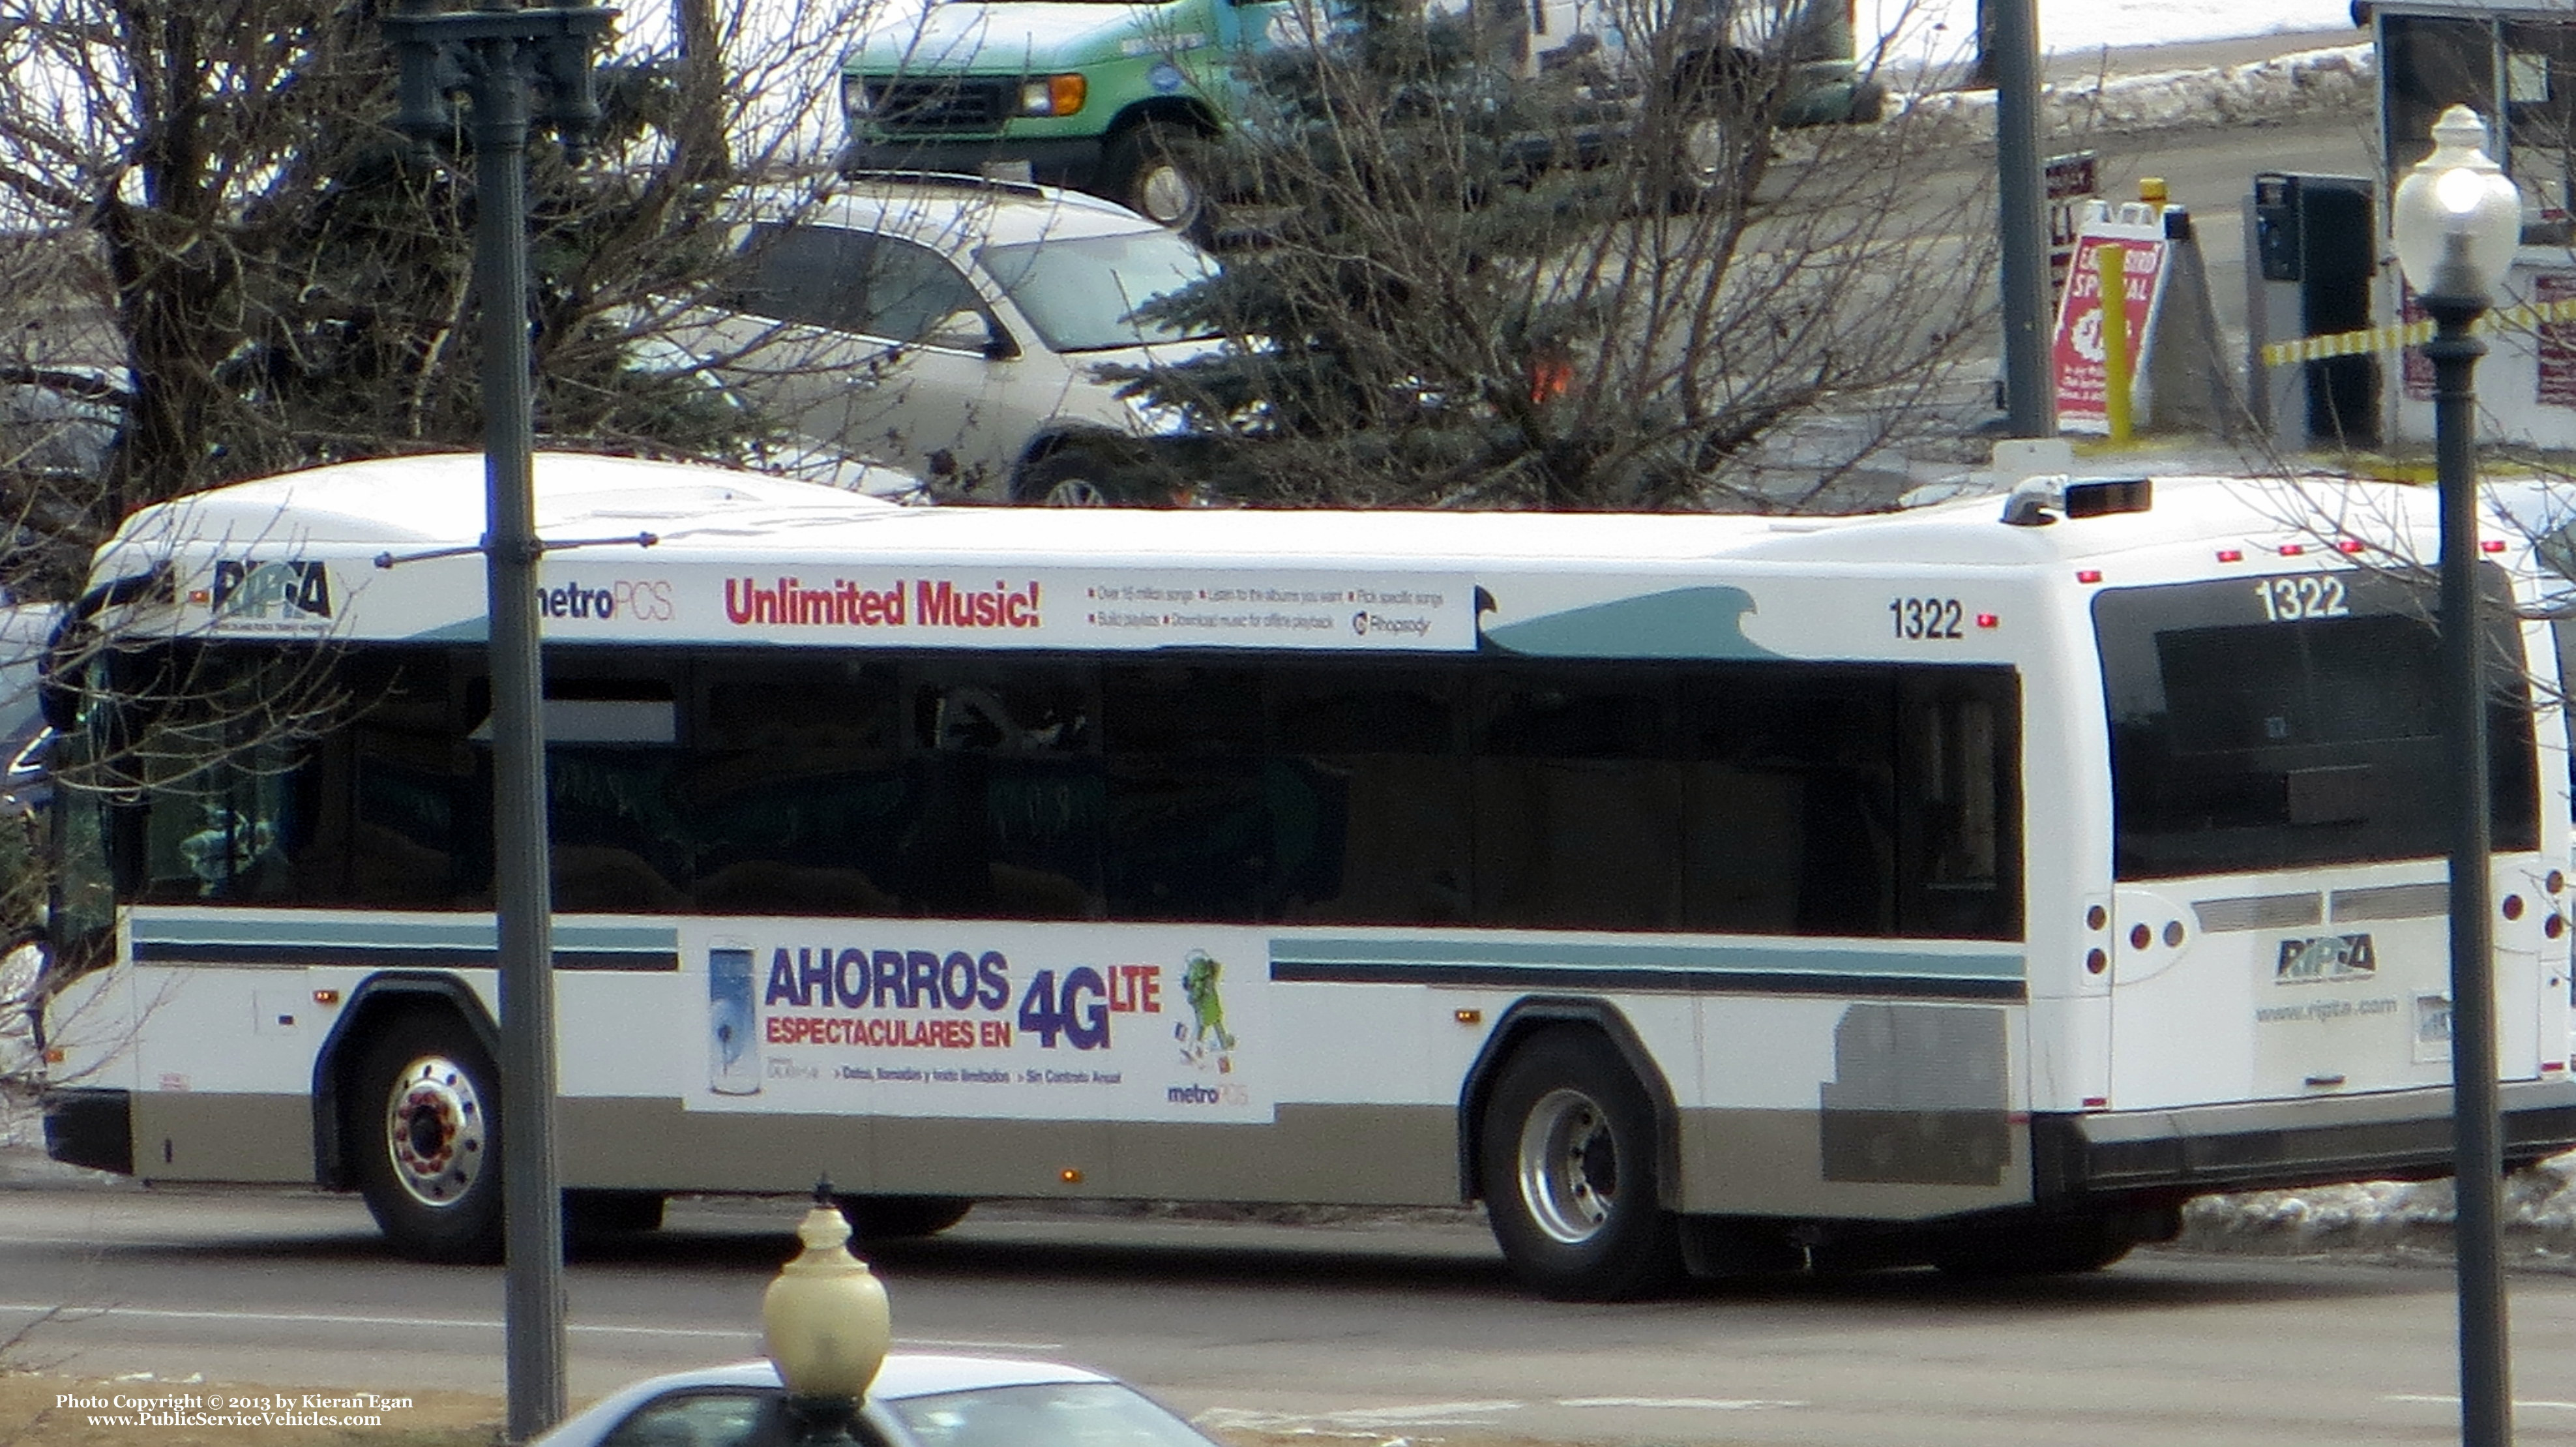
(1081, 292)
(2283, 722)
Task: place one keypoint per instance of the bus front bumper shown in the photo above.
(2265, 1145)
(93, 1128)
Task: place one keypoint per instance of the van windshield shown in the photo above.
(1082, 292)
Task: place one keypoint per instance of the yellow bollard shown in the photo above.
(2111, 264)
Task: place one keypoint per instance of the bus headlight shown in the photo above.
(854, 96)
(1053, 95)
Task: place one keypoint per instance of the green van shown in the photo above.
(1119, 97)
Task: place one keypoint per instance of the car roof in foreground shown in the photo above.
(954, 207)
(904, 1375)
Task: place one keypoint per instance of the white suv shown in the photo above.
(952, 327)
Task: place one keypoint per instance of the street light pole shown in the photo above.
(2009, 46)
(2457, 220)
(497, 58)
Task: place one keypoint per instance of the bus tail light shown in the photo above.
(326, 997)
(1988, 620)
(2231, 555)
(2088, 575)
(2293, 550)
(2492, 545)
(2097, 1102)
(2349, 546)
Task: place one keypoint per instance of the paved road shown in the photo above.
(1392, 1330)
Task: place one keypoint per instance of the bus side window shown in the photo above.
(1577, 801)
(1188, 821)
(795, 789)
(1370, 805)
(1958, 801)
(1007, 808)
(224, 766)
(1790, 819)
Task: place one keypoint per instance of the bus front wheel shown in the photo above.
(1566, 1162)
(426, 1143)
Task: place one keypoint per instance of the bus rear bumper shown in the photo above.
(93, 1128)
(2260, 1145)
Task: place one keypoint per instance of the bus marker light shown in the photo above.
(1070, 1175)
(2513, 906)
(2095, 962)
(2231, 555)
(2492, 545)
(2292, 550)
(2088, 575)
(326, 997)
(2097, 1102)
(2556, 881)
(2139, 937)
(2349, 545)
(2555, 926)
(1987, 620)
(1468, 1017)
(54, 1055)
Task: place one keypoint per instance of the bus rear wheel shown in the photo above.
(1566, 1162)
(425, 1142)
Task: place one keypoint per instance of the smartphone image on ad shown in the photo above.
(733, 1067)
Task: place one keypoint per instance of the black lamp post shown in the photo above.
(2457, 219)
(516, 67)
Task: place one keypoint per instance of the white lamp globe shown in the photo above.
(2457, 215)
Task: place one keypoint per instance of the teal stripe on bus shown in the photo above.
(1798, 969)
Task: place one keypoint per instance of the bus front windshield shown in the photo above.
(1082, 292)
(2286, 722)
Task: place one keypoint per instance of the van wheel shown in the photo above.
(1566, 1161)
(1159, 171)
(424, 1131)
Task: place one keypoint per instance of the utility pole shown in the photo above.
(502, 60)
(2009, 42)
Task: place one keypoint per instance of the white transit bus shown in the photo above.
(1972, 885)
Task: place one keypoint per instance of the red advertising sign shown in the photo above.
(2079, 354)
(2072, 180)
(2555, 341)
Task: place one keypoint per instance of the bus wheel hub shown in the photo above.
(435, 1127)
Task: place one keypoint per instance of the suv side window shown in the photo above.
(910, 288)
(851, 281)
(806, 275)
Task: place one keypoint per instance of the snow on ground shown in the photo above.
(2309, 82)
(2075, 27)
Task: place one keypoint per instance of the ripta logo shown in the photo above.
(249, 589)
